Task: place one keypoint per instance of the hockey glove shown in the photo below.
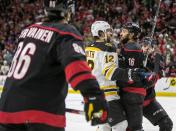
(151, 80)
(96, 109)
(134, 75)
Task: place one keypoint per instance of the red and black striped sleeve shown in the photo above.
(77, 72)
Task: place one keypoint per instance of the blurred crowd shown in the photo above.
(15, 15)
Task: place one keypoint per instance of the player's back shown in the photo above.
(100, 56)
(36, 77)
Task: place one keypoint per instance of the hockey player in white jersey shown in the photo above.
(102, 58)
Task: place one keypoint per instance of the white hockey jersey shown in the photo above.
(102, 58)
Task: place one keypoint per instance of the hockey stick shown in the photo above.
(152, 33)
(168, 85)
(75, 111)
(155, 19)
(157, 62)
(81, 112)
(157, 56)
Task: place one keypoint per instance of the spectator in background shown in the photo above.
(116, 12)
(4, 68)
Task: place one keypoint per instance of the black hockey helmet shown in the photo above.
(147, 41)
(132, 28)
(58, 8)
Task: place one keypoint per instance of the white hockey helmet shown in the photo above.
(99, 26)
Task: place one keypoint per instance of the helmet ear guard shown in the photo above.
(100, 33)
(147, 41)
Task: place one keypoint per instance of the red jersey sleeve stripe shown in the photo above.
(137, 90)
(76, 67)
(81, 78)
(58, 31)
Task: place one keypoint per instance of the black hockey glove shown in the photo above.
(151, 80)
(96, 109)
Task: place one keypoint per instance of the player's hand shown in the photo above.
(151, 80)
(134, 75)
(96, 109)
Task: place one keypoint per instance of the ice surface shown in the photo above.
(77, 122)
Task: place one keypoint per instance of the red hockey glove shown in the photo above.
(96, 109)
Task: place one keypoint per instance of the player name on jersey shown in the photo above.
(90, 54)
(36, 33)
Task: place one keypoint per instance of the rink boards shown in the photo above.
(163, 87)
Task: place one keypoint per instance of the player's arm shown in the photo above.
(72, 56)
(78, 74)
(111, 71)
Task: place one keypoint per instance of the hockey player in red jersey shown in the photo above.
(152, 109)
(48, 55)
(132, 93)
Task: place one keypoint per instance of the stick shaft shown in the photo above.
(75, 111)
(155, 19)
